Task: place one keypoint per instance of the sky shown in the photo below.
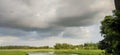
(46, 22)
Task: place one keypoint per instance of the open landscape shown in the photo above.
(64, 48)
(59, 27)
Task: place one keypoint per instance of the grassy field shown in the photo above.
(81, 52)
(12, 53)
(24, 51)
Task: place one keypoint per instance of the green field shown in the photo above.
(25, 51)
(93, 52)
(12, 53)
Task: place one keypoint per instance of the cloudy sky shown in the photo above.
(46, 22)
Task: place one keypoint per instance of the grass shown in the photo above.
(24, 51)
(12, 53)
(81, 52)
(29, 50)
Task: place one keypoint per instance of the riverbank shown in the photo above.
(25, 51)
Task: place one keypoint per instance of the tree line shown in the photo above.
(87, 46)
(23, 47)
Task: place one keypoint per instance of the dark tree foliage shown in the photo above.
(110, 30)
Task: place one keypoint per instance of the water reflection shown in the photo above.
(50, 53)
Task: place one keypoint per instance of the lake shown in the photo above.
(50, 53)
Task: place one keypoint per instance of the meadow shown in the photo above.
(12, 53)
(25, 51)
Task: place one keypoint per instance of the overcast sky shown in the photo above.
(46, 22)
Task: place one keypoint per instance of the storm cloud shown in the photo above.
(40, 14)
(47, 18)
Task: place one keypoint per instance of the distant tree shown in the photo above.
(110, 30)
(91, 46)
(87, 46)
(24, 47)
(63, 46)
(57, 46)
(78, 46)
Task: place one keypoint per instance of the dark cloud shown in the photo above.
(81, 20)
(42, 14)
(35, 34)
(46, 18)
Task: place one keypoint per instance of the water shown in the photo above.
(50, 53)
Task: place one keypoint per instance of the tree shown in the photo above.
(91, 46)
(63, 46)
(110, 30)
